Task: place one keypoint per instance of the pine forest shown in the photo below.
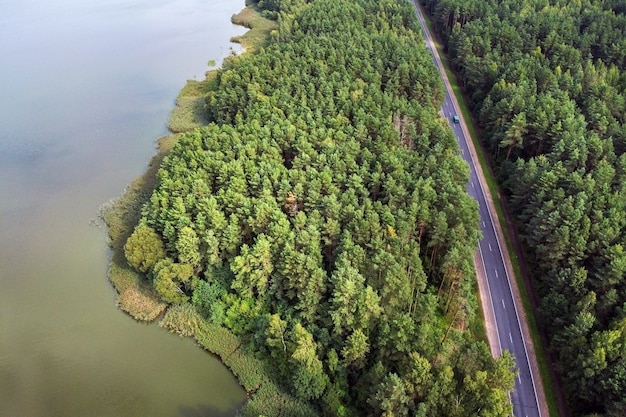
(321, 218)
(547, 84)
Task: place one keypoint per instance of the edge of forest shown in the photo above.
(140, 301)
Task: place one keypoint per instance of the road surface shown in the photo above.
(502, 303)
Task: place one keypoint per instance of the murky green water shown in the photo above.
(85, 90)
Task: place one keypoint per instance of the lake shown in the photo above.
(85, 91)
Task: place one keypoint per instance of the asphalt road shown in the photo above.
(510, 337)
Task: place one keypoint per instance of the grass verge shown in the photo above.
(508, 229)
(477, 324)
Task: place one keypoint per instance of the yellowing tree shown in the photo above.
(144, 248)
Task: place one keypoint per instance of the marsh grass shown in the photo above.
(190, 110)
(182, 319)
(136, 298)
(188, 114)
(260, 28)
(134, 295)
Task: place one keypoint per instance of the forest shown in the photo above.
(547, 84)
(322, 218)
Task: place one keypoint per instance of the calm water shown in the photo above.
(85, 90)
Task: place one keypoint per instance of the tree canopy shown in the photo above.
(547, 82)
(323, 218)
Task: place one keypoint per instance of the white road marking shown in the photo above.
(496, 273)
(510, 338)
(491, 250)
(484, 225)
(503, 306)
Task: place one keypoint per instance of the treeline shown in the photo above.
(323, 219)
(547, 82)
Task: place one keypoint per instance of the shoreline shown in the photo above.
(136, 297)
(188, 112)
(121, 214)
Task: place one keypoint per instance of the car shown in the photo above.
(455, 118)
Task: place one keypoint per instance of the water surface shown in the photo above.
(85, 90)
